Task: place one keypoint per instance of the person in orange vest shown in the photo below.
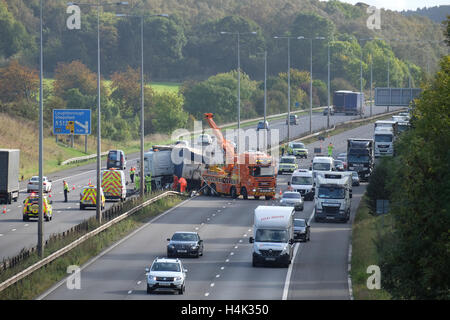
(175, 183)
(183, 184)
(132, 173)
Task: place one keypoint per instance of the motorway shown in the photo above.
(318, 271)
(16, 234)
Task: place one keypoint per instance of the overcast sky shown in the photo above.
(400, 5)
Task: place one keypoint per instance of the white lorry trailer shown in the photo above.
(9, 175)
(273, 235)
(333, 197)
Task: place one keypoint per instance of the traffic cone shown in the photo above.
(89, 181)
(73, 188)
(49, 195)
(281, 193)
(4, 210)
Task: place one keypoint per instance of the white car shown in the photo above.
(166, 275)
(33, 184)
(204, 140)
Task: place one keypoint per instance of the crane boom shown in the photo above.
(226, 145)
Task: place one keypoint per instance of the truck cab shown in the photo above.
(333, 195)
(302, 182)
(384, 141)
(360, 157)
(273, 235)
(321, 165)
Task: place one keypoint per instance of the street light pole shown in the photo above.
(98, 213)
(142, 127)
(328, 113)
(310, 88)
(40, 243)
(388, 83)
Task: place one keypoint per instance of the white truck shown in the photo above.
(393, 125)
(384, 138)
(333, 197)
(302, 182)
(158, 164)
(9, 175)
(273, 235)
(321, 165)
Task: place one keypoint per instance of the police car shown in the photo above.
(88, 197)
(31, 207)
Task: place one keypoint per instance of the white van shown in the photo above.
(302, 182)
(273, 235)
(321, 165)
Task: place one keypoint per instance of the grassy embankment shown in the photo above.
(41, 280)
(366, 229)
(18, 133)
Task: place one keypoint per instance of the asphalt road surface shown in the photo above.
(318, 271)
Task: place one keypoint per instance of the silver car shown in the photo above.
(166, 275)
(355, 178)
(301, 230)
(292, 199)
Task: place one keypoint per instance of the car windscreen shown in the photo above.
(113, 155)
(321, 166)
(302, 180)
(268, 235)
(184, 237)
(287, 160)
(34, 179)
(299, 223)
(166, 266)
(383, 138)
(298, 146)
(355, 174)
(294, 195)
(357, 158)
(262, 171)
(331, 193)
(338, 163)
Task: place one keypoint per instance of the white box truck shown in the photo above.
(9, 175)
(384, 139)
(333, 197)
(273, 235)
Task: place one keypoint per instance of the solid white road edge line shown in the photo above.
(87, 264)
(288, 275)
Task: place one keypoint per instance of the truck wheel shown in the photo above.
(25, 218)
(244, 193)
(269, 197)
(207, 191)
(9, 199)
(47, 218)
(233, 193)
(81, 206)
(256, 197)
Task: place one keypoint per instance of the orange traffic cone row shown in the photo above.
(4, 210)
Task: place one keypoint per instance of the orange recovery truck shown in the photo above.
(252, 173)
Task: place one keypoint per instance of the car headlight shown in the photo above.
(178, 278)
(254, 190)
(152, 278)
(194, 247)
(171, 246)
(318, 210)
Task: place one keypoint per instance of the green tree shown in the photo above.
(13, 36)
(168, 112)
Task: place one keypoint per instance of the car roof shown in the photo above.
(299, 219)
(191, 232)
(167, 260)
(288, 157)
(288, 192)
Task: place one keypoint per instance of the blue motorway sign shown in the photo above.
(72, 121)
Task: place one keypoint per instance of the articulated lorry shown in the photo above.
(360, 157)
(158, 164)
(348, 102)
(9, 175)
(333, 197)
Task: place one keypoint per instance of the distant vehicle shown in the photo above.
(302, 230)
(166, 275)
(348, 102)
(159, 165)
(360, 157)
(262, 125)
(31, 207)
(9, 175)
(403, 126)
(297, 149)
(333, 197)
(405, 114)
(114, 185)
(292, 199)
(88, 197)
(185, 244)
(325, 111)
(393, 125)
(293, 119)
(182, 143)
(33, 184)
(339, 165)
(204, 140)
(355, 178)
(321, 165)
(273, 235)
(343, 157)
(116, 159)
(287, 164)
(302, 182)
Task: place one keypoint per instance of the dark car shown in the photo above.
(339, 165)
(185, 244)
(301, 230)
(293, 119)
(116, 159)
(325, 111)
(262, 125)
